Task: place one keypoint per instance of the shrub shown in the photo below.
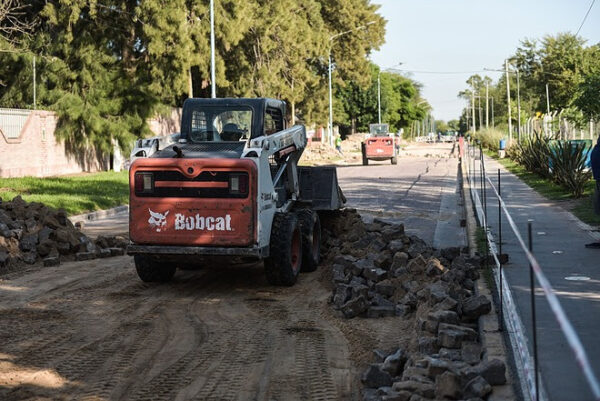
(489, 138)
(534, 153)
(568, 166)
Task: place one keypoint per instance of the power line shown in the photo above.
(441, 72)
(584, 18)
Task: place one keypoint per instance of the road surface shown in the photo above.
(92, 330)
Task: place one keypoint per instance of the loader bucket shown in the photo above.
(319, 186)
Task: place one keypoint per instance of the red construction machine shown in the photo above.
(230, 189)
(379, 145)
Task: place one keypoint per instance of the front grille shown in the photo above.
(235, 147)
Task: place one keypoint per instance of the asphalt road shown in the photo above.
(420, 191)
(92, 330)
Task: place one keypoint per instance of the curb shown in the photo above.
(99, 214)
(468, 212)
(492, 340)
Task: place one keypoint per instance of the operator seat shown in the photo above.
(231, 132)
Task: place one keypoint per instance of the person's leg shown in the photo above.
(596, 202)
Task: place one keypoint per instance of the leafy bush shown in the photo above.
(489, 138)
(568, 166)
(534, 154)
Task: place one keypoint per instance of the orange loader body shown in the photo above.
(177, 213)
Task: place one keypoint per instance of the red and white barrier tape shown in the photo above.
(559, 313)
(512, 320)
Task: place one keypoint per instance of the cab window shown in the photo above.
(273, 121)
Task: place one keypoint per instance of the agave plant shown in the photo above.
(534, 154)
(569, 168)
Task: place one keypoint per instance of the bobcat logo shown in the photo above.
(158, 221)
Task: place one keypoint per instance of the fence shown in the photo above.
(527, 364)
(559, 127)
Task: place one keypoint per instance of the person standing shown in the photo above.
(595, 159)
(338, 144)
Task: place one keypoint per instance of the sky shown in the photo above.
(469, 35)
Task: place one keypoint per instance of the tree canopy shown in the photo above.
(563, 62)
(357, 105)
(106, 66)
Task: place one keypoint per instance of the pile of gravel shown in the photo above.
(379, 271)
(33, 232)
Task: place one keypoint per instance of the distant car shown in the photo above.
(448, 136)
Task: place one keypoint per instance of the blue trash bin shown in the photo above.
(502, 144)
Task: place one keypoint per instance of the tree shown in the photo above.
(454, 125)
(399, 102)
(16, 23)
(441, 126)
(106, 67)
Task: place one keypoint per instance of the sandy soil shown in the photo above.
(93, 330)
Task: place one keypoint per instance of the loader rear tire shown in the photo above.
(394, 160)
(365, 160)
(151, 270)
(311, 239)
(285, 260)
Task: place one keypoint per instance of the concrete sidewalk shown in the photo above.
(558, 245)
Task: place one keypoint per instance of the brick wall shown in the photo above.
(36, 151)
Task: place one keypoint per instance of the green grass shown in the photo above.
(75, 194)
(582, 207)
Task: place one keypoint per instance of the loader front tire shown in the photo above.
(394, 160)
(151, 270)
(365, 160)
(311, 239)
(285, 259)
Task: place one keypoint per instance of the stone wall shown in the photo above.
(37, 152)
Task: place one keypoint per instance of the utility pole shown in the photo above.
(508, 102)
(213, 85)
(547, 100)
(34, 86)
(473, 105)
(487, 105)
(518, 104)
(493, 123)
(480, 111)
(330, 128)
(379, 96)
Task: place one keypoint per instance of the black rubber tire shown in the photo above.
(285, 260)
(365, 160)
(394, 160)
(311, 239)
(151, 270)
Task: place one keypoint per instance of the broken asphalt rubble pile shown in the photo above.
(379, 271)
(30, 232)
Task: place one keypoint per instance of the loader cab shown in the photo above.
(231, 120)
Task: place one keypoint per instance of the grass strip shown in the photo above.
(76, 194)
(582, 207)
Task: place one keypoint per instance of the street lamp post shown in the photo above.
(331, 38)
(213, 85)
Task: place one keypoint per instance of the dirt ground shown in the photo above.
(93, 330)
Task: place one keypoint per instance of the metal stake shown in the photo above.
(500, 249)
(533, 319)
